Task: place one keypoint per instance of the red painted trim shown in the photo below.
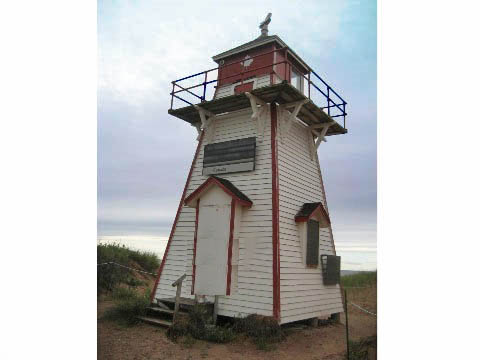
(211, 181)
(275, 214)
(194, 259)
(230, 245)
(176, 217)
(326, 206)
(306, 218)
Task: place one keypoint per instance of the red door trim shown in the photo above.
(275, 214)
(152, 295)
(197, 210)
(230, 245)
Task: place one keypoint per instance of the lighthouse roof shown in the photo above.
(260, 41)
(223, 184)
(310, 209)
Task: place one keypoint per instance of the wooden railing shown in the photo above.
(178, 284)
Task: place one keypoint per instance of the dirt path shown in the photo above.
(148, 342)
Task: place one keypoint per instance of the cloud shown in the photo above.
(144, 154)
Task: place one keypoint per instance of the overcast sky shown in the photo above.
(144, 154)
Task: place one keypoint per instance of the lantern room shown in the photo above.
(264, 70)
(258, 63)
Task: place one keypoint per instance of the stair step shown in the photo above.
(155, 321)
(183, 301)
(161, 310)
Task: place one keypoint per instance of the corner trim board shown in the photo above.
(275, 215)
(230, 245)
(194, 258)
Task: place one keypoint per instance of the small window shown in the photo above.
(331, 269)
(313, 238)
(296, 81)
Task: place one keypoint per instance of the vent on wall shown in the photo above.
(331, 269)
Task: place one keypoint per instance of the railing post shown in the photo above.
(204, 87)
(344, 116)
(178, 284)
(173, 90)
(177, 301)
(309, 84)
(328, 99)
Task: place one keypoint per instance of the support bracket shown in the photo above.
(198, 126)
(207, 124)
(259, 109)
(319, 134)
(287, 118)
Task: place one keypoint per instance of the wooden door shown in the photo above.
(212, 249)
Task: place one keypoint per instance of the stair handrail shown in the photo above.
(178, 284)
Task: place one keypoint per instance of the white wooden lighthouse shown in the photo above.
(252, 228)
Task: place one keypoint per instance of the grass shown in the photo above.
(363, 279)
(359, 349)
(263, 330)
(128, 305)
(110, 276)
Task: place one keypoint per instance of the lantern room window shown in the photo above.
(297, 80)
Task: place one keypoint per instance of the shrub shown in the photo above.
(264, 330)
(218, 334)
(180, 327)
(128, 305)
(198, 325)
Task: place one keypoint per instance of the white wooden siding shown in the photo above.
(302, 293)
(252, 291)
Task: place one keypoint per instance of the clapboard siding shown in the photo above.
(253, 288)
(302, 293)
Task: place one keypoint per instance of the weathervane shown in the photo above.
(264, 24)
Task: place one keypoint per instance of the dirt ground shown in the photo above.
(144, 341)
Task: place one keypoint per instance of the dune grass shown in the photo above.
(363, 279)
(110, 276)
(129, 304)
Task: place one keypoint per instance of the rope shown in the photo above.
(127, 267)
(368, 312)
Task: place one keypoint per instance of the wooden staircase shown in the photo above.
(164, 312)
(161, 313)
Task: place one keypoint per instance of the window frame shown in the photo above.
(299, 80)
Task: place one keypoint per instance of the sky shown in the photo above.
(144, 154)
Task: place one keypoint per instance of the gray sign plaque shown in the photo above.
(229, 156)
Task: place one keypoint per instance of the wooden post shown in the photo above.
(177, 301)
(215, 310)
(346, 326)
(178, 284)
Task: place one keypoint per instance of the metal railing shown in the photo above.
(320, 92)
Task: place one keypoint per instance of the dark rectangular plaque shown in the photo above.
(229, 156)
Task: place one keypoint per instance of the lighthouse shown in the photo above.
(252, 232)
